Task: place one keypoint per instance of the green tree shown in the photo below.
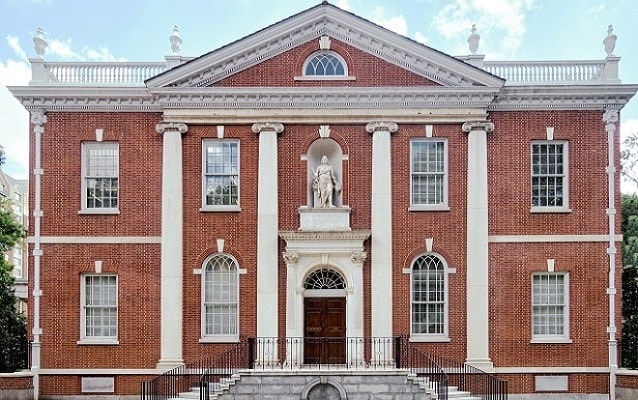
(13, 328)
(629, 159)
(630, 281)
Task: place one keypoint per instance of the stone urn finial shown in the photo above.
(473, 40)
(176, 40)
(40, 43)
(610, 42)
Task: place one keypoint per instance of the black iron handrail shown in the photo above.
(212, 374)
(444, 373)
(186, 377)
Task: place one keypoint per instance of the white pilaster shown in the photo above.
(172, 246)
(267, 231)
(381, 228)
(477, 246)
(38, 119)
(610, 117)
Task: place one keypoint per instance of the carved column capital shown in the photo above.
(486, 126)
(610, 116)
(359, 258)
(268, 126)
(38, 117)
(291, 258)
(381, 126)
(171, 126)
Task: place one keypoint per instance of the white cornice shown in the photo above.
(78, 98)
(311, 24)
(568, 97)
(263, 101)
(350, 98)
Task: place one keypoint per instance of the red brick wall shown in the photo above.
(282, 69)
(137, 265)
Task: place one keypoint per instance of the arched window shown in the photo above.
(220, 299)
(325, 279)
(429, 296)
(325, 64)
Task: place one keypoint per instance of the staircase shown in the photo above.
(325, 385)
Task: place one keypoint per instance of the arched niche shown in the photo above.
(331, 149)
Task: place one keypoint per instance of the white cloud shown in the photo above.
(501, 22)
(396, 24)
(63, 50)
(14, 119)
(420, 37)
(14, 43)
(343, 4)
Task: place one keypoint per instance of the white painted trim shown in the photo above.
(97, 239)
(551, 238)
(100, 371)
(552, 370)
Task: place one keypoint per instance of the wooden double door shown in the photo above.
(325, 330)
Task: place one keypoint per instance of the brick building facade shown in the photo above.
(470, 210)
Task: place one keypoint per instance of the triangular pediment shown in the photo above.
(309, 25)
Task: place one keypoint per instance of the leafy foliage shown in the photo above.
(630, 281)
(13, 325)
(629, 159)
(13, 336)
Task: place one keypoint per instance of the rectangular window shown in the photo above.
(549, 175)
(100, 170)
(99, 307)
(221, 174)
(550, 319)
(429, 174)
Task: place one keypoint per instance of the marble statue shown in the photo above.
(325, 184)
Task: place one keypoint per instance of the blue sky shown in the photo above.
(138, 30)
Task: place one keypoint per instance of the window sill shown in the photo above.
(220, 209)
(551, 340)
(106, 211)
(219, 339)
(98, 342)
(438, 207)
(550, 210)
(326, 78)
(429, 339)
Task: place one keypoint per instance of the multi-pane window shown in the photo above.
(221, 172)
(325, 63)
(549, 174)
(429, 296)
(220, 296)
(549, 305)
(100, 169)
(99, 306)
(429, 172)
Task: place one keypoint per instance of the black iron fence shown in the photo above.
(206, 374)
(444, 373)
(213, 373)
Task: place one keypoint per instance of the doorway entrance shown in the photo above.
(325, 330)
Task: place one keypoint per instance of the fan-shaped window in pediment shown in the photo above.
(325, 64)
(325, 279)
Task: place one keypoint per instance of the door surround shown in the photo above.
(307, 252)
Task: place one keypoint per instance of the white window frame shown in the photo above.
(95, 339)
(86, 148)
(206, 143)
(320, 53)
(436, 336)
(564, 176)
(443, 205)
(226, 337)
(559, 337)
